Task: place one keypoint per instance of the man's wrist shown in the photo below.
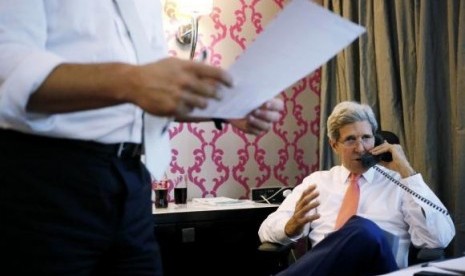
(408, 172)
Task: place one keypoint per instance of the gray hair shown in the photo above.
(346, 113)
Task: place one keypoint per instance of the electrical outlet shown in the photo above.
(272, 194)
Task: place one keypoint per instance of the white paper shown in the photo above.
(457, 264)
(301, 38)
(454, 266)
(409, 271)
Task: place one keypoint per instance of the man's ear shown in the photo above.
(333, 144)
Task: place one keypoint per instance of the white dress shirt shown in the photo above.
(383, 202)
(38, 35)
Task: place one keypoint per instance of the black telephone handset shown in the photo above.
(369, 160)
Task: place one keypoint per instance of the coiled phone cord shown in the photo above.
(410, 191)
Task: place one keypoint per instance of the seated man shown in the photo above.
(351, 242)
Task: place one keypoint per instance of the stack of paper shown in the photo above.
(218, 201)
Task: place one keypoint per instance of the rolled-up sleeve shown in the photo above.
(24, 62)
(430, 225)
(272, 228)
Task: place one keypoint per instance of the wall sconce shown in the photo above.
(187, 34)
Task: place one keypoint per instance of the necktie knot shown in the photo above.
(354, 178)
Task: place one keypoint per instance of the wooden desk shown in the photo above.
(199, 239)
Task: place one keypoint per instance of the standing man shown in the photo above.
(74, 194)
(344, 210)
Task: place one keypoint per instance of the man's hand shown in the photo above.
(168, 87)
(399, 161)
(304, 205)
(261, 119)
(174, 87)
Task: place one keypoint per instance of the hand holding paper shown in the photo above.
(299, 40)
(260, 119)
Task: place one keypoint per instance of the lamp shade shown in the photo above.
(194, 7)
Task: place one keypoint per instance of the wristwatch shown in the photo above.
(219, 123)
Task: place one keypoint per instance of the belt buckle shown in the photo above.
(122, 147)
(120, 150)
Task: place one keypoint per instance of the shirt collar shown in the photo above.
(368, 175)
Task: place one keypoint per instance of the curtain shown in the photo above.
(409, 67)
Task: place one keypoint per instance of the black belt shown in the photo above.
(118, 150)
(123, 150)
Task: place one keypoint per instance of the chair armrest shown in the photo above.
(430, 254)
(275, 247)
(274, 257)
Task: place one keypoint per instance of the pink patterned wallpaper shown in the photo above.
(229, 162)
